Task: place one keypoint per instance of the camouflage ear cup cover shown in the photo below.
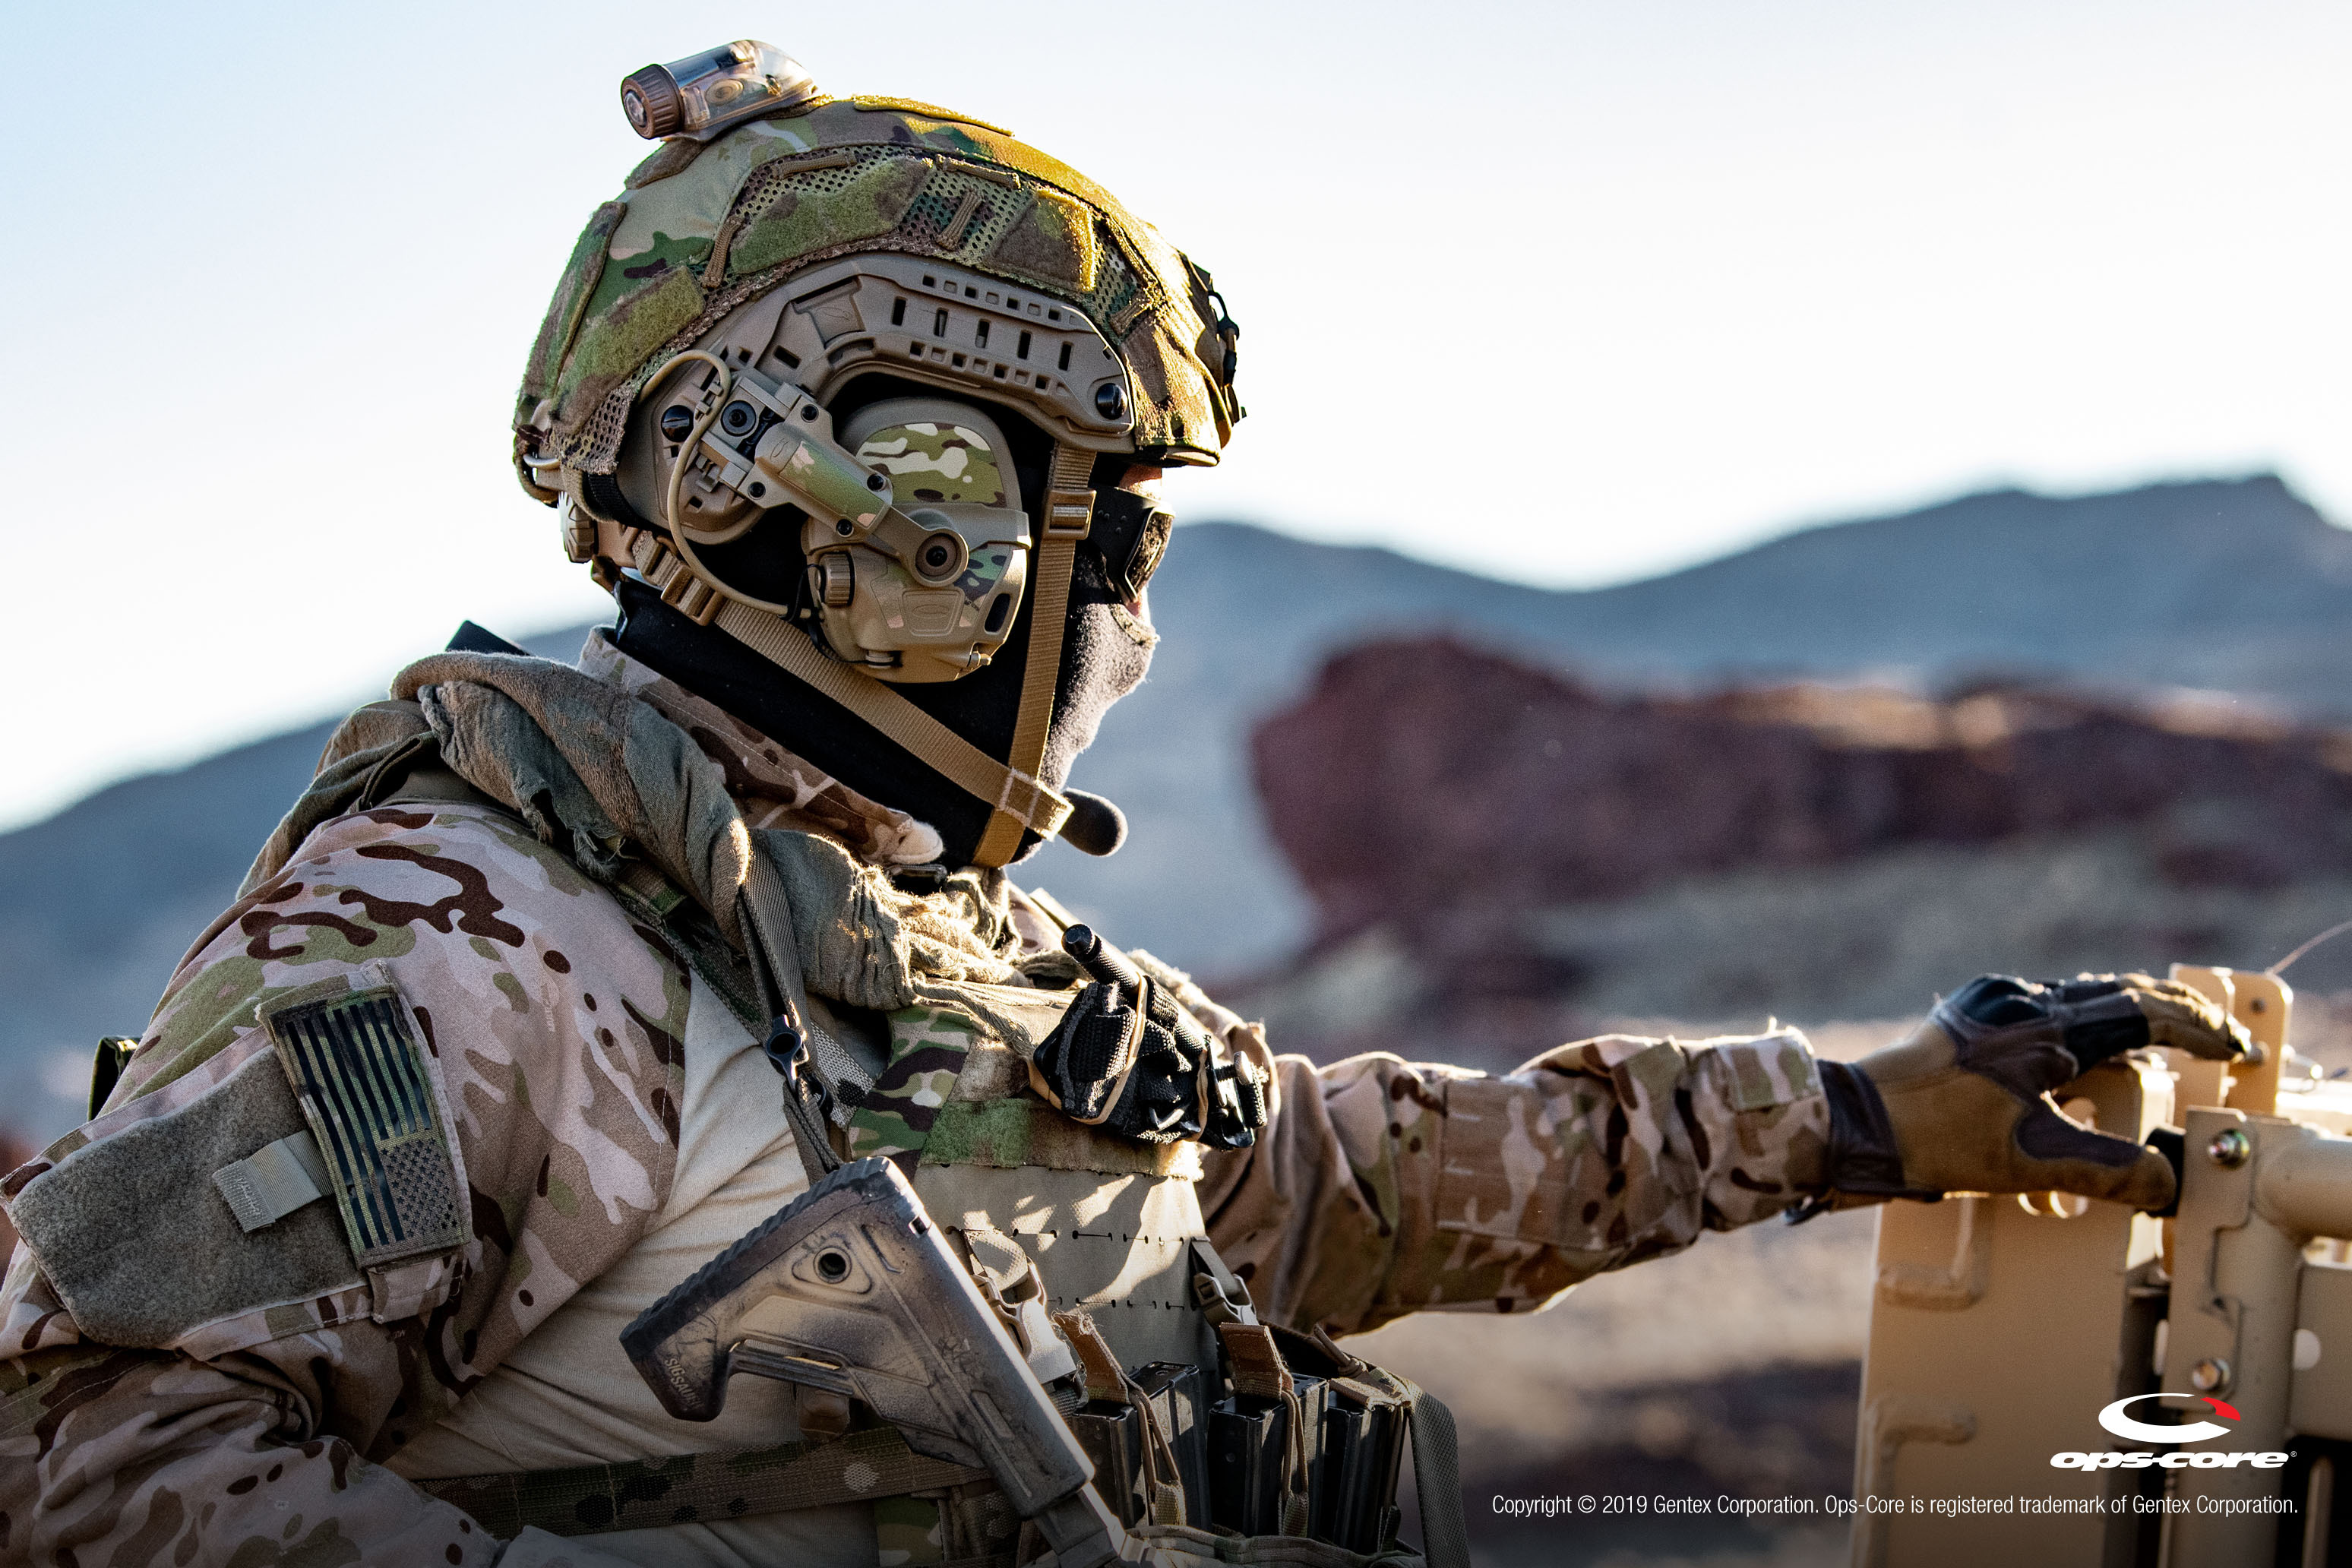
(1964, 1104)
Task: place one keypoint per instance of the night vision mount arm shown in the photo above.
(851, 1289)
(770, 443)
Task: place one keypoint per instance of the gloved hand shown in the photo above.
(1964, 1104)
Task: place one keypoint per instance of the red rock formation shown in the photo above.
(1438, 789)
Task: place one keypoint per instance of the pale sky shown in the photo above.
(1568, 292)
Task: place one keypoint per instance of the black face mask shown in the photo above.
(1102, 661)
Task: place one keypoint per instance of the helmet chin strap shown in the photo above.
(1069, 514)
(1019, 800)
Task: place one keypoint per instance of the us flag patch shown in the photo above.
(357, 1068)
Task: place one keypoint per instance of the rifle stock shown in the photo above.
(850, 1287)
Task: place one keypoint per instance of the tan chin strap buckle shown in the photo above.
(681, 589)
(1069, 513)
(1016, 794)
(621, 544)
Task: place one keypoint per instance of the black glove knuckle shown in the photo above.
(1999, 1001)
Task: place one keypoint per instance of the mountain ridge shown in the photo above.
(2231, 585)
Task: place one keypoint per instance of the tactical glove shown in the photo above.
(1963, 1105)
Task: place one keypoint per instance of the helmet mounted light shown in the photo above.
(704, 94)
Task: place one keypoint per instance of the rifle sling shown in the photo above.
(685, 1488)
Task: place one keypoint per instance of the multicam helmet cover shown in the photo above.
(1037, 251)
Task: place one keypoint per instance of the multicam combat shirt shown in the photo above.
(189, 1407)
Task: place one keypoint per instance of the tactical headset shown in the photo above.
(921, 592)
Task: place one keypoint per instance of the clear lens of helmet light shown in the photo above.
(704, 94)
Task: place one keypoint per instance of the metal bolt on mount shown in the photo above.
(2230, 1148)
(2210, 1375)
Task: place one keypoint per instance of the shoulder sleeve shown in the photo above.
(309, 1172)
(401, 1103)
(1383, 1187)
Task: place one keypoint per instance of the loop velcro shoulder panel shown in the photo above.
(143, 1248)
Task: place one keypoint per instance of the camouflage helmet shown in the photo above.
(796, 248)
(704, 228)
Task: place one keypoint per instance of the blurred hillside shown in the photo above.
(1500, 857)
(2232, 585)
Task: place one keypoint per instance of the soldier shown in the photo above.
(860, 408)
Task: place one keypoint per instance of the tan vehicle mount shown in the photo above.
(2003, 1328)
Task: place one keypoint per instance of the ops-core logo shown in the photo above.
(2114, 1419)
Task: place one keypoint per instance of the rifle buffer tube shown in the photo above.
(1102, 961)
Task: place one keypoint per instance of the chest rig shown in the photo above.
(1061, 1155)
(1037, 1130)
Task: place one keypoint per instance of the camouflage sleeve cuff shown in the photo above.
(1760, 1125)
(1384, 1187)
